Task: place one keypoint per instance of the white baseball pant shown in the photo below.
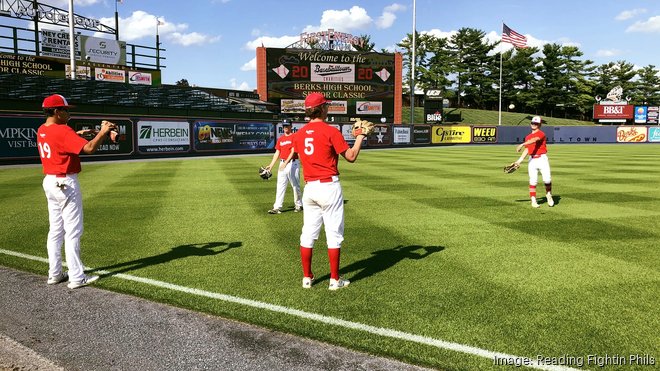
(323, 204)
(290, 174)
(65, 215)
(537, 164)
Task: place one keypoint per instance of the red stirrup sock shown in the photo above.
(532, 191)
(306, 259)
(333, 257)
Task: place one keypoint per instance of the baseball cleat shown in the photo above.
(307, 282)
(85, 281)
(274, 211)
(535, 204)
(551, 202)
(297, 209)
(338, 284)
(58, 279)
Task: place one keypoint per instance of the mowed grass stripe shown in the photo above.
(450, 255)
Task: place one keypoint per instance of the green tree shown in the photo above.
(518, 79)
(474, 68)
(420, 55)
(182, 82)
(366, 45)
(648, 86)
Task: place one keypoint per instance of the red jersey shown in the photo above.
(319, 145)
(537, 148)
(59, 147)
(285, 145)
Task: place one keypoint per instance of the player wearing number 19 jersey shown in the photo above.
(319, 145)
(59, 148)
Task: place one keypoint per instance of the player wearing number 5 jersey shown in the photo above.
(319, 145)
(535, 146)
(59, 147)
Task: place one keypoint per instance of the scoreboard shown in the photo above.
(359, 84)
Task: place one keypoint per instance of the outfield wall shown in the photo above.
(142, 137)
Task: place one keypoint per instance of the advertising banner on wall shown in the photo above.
(640, 114)
(450, 134)
(109, 74)
(401, 134)
(484, 134)
(654, 134)
(517, 134)
(279, 129)
(421, 134)
(631, 134)
(218, 136)
(124, 145)
(293, 106)
(99, 50)
(29, 65)
(18, 136)
(652, 115)
(163, 136)
(585, 134)
(613, 111)
(139, 78)
(56, 44)
(382, 136)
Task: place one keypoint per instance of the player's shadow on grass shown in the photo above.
(544, 200)
(178, 252)
(384, 259)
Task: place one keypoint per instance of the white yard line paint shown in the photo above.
(442, 344)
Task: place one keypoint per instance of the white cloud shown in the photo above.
(242, 86)
(353, 19)
(627, 14)
(193, 38)
(386, 20)
(271, 42)
(651, 25)
(608, 52)
(250, 66)
(141, 24)
(255, 32)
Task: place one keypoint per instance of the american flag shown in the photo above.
(512, 37)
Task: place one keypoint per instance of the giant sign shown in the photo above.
(363, 82)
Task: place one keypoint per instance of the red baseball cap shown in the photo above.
(315, 99)
(55, 101)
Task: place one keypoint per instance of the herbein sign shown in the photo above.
(352, 79)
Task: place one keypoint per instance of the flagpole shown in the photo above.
(412, 66)
(499, 119)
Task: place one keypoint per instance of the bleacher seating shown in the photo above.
(26, 87)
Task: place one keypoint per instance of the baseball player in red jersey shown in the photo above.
(59, 147)
(288, 171)
(535, 146)
(319, 146)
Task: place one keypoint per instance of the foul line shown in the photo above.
(529, 362)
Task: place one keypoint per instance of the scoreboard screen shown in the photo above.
(358, 83)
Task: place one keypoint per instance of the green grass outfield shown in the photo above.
(447, 259)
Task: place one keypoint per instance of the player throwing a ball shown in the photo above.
(535, 146)
(319, 146)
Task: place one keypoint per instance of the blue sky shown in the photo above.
(212, 43)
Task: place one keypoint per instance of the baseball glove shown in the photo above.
(264, 173)
(508, 169)
(362, 127)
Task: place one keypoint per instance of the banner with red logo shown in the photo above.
(613, 111)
